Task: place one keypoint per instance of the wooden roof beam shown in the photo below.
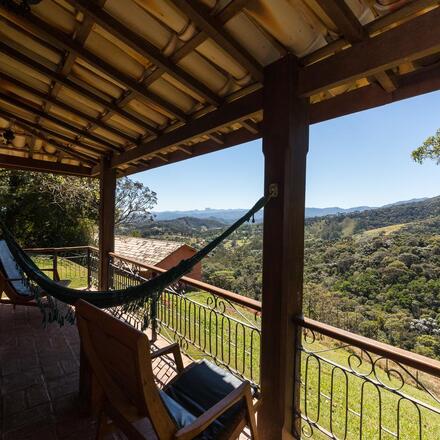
(21, 163)
(49, 132)
(226, 114)
(145, 48)
(65, 148)
(20, 103)
(60, 39)
(350, 27)
(215, 30)
(342, 16)
(108, 106)
(231, 139)
(53, 100)
(414, 39)
(371, 96)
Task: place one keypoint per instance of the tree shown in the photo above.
(51, 210)
(134, 201)
(430, 149)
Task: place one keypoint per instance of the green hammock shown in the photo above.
(130, 299)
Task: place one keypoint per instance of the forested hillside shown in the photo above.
(375, 272)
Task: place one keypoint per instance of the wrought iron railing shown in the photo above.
(206, 321)
(75, 264)
(353, 387)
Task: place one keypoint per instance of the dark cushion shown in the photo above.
(179, 414)
(200, 387)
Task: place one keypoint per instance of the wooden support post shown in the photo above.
(106, 220)
(285, 146)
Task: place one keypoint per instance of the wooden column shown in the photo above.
(107, 189)
(285, 146)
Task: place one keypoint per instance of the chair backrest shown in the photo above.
(120, 359)
(12, 271)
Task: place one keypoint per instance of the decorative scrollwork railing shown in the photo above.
(356, 388)
(206, 321)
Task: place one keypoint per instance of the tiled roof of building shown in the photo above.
(148, 251)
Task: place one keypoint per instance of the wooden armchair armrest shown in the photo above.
(203, 421)
(173, 349)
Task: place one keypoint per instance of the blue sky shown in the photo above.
(361, 159)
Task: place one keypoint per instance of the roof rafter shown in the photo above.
(411, 40)
(21, 103)
(55, 101)
(236, 137)
(145, 48)
(108, 106)
(370, 96)
(215, 31)
(49, 132)
(22, 163)
(226, 114)
(62, 40)
(344, 18)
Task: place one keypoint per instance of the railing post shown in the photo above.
(56, 276)
(285, 146)
(89, 268)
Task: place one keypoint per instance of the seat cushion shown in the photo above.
(13, 272)
(177, 412)
(200, 387)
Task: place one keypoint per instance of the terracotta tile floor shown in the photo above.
(40, 377)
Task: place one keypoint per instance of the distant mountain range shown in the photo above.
(230, 215)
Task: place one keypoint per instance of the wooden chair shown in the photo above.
(202, 401)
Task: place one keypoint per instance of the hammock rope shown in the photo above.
(130, 299)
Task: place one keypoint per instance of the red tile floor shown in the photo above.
(40, 377)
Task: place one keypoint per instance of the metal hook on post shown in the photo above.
(273, 190)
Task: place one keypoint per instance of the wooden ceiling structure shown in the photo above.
(112, 87)
(145, 83)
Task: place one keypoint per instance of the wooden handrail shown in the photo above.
(414, 360)
(222, 293)
(57, 249)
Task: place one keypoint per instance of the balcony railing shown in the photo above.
(206, 321)
(351, 387)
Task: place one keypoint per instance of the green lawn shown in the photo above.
(68, 269)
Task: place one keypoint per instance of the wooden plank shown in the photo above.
(412, 40)
(20, 103)
(50, 98)
(74, 86)
(372, 96)
(215, 31)
(342, 16)
(225, 114)
(21, 163)
(236, 137)
(48, 132)
(410, 85)
(61, 40)
(285, 146)
(147, 49)
(107, 192)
